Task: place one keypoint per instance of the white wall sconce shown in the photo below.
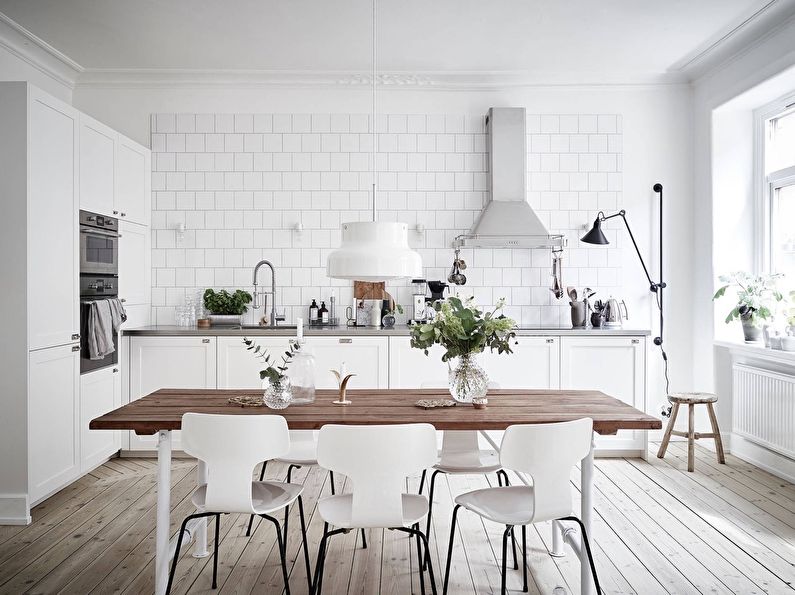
(180, 229)
(298, 229)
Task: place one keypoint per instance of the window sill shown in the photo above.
(759, 351)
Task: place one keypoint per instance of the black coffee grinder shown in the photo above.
(437, 291)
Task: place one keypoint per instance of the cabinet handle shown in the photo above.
(115, 212)
(123, 214)
(115, 370)
(205, 340)
(123, 300)
(75, 336)
(346, 340)
(550, 340)
(75, 347)
(635, 341)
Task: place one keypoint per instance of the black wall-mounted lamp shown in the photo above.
(596, 236)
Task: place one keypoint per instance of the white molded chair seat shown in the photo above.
(512, 505)
(301, 453)
(468, 461)
(338, 510)
(266, 496)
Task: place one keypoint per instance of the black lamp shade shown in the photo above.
(595, 236)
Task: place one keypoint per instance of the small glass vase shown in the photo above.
(278, 395)
(468, 380)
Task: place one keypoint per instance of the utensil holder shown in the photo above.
(578, 314)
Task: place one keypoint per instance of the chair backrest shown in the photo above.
(377, 459)
(547, 452)
(302, 436)
(231, 446)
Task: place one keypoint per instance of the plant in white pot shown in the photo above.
(756, 295)
(226, 308)
(465, 331)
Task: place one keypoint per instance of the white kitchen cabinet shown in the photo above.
(133, 174)
(100, 392)
(53, 253)
(169, 362)
(617, 367)
(534, 363)
(53, 413)
(96, 158)
(135, 271)
(367, 357)
(238, 367)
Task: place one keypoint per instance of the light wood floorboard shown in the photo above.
(658, 530)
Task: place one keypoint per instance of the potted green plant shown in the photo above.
(226, 308)
(755, 297)
(465, 331)
(278, 391)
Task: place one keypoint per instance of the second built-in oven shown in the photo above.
(99, 244)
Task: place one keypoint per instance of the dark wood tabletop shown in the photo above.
(163, 410)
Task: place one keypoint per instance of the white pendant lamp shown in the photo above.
(373, 250)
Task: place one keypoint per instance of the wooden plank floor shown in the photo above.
(724, 529)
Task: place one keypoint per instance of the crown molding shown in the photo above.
(428, 81)
(724, 47)
(38, 53)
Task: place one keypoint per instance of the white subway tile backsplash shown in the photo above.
(242, 182)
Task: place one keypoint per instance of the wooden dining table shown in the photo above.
(161, 413)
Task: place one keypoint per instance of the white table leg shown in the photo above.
(586, 513)
(200, 546)
(163, 510)
(557, 540)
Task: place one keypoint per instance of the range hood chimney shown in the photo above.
(508, 221)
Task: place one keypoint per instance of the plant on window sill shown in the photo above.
(756, 296)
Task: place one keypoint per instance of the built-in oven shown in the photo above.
(99, 244)
(99, 279)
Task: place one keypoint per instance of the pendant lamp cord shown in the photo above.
(375, 136)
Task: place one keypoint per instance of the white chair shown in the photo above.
(547, 453)
(303, 452)
(231, 446)
(377, 459)
(461, 455)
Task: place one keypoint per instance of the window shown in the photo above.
(777, 230)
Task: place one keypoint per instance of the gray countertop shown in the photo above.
(397, 331)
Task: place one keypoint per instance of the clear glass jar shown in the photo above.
(302, 375)
(468, 380)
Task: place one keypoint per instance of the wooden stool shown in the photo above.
(691, 400)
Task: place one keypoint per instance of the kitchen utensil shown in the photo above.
(456, 277)
(615, 313)
(596, 319)
(572, 293)
(557, 275)
(578, 314)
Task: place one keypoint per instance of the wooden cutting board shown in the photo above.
(363, 290)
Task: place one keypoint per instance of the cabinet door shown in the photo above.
(238, 367)
(534, 363)
(367, 357)
(133, 180)
(53, 438)
(97, 150)
(617, 367)
(134, 264)
(100, 392)
(169, 362)
(53, 306)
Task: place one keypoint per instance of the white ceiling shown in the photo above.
(631, 37)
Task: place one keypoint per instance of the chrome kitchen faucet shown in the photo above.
(272, 292)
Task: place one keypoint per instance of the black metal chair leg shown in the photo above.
(499, 479)
(420, 559)
(430, 503)
(306, 548)
(364, 540)
(282, 551)
(179, 544)
(429, 563)
(215, 553)
(513, 546)
(508, 530)
(450, 549)
(317, 581)
(422, 480)
(331, 479)
(251, 518)
(505, 480)
(588, 551)
(524, 557)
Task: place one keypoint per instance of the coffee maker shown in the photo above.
(419, 292)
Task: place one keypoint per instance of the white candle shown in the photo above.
(343, 371)
(300, 328)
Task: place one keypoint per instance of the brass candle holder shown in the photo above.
(342, 383)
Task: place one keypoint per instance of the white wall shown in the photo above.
(723, 104)
(657, 148)
(15, 67)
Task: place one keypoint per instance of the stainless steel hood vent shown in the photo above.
(508, 221)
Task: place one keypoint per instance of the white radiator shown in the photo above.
(764, 408)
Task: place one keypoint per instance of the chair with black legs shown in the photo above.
(231, 446)
(547, 453)
(377, 459)
(303, 453)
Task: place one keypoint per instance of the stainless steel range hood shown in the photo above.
(508, 221)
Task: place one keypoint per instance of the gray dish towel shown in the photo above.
(104, 319)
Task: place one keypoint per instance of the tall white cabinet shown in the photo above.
(54, 159)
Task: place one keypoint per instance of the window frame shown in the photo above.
(765, 184)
